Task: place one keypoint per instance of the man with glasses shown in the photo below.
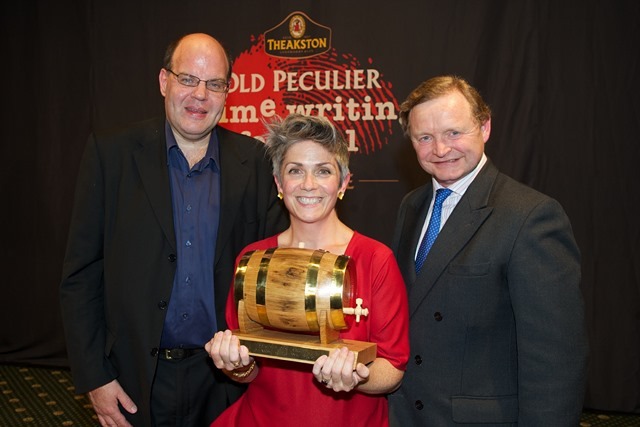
(161, 211)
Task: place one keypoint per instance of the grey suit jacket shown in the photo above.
(496, 314)
(120, 261)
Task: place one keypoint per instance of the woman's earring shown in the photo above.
(280, 195)
(340, 195)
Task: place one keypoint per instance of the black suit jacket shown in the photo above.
(496, 314)
(120, 261)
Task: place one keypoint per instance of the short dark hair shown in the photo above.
(167, 62)
(439, 86)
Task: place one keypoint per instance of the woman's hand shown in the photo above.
(227, 354)
(336, 370)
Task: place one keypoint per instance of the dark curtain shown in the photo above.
(561, 78)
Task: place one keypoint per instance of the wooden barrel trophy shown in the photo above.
(292, 304)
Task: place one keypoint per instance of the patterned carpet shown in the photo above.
(33, 396)
(41, 397)
(597, 419)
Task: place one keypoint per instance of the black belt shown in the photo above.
(178, 353)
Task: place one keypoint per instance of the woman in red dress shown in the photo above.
(310, 163)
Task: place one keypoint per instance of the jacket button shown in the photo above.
(172, 258)
(418, 359)
(437, 316)
(154, 352)
(162, 305)
(419, 405)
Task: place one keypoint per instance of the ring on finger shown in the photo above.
(325, 382)
(237, 364)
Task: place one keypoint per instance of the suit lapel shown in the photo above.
(413, 220)
(151, 160)
(469, 214)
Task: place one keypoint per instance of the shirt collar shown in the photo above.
(212, 149)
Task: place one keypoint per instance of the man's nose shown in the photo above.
(440, 147)
(200, 91)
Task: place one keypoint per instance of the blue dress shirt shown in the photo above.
(195, 195)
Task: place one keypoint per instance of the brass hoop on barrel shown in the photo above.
(288, 288)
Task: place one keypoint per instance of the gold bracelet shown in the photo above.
(245, 373)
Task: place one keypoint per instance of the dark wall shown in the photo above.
(561, 78)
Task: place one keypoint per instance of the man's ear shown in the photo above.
(162, 79)
(485, 128)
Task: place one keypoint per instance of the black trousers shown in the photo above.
(190, 392)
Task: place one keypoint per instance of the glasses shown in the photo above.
(214, 85)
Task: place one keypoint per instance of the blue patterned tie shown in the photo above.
(433, 229)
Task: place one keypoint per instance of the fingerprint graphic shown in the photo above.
(338, 86)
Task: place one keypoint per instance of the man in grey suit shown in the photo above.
(162, 209)
(496, 314)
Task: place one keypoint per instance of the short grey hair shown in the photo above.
(283, 133)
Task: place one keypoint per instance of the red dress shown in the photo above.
(286, 393)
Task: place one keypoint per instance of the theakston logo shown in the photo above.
(297, 36)
(353, 93)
